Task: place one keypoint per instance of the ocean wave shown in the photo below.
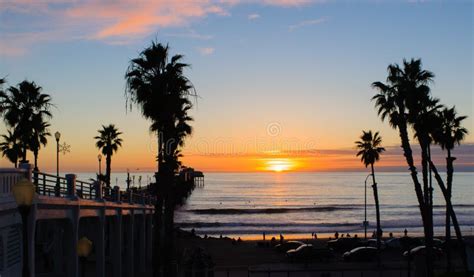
(269, 225)
(270, 210)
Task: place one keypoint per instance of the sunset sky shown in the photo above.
(282, 84)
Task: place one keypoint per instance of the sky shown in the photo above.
(282, 84)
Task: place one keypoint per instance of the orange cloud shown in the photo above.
(115, 21)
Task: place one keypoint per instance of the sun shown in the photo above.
(279, 165)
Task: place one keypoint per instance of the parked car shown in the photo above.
(361, 254)
(308, 252)
(393, 243)
(421, 250)
(372, 243)
(285, 246)
(409, 243)
(343, 244)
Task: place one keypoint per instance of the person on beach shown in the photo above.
(263, 236)
(336, 235)
(406, 232)
(281, 238)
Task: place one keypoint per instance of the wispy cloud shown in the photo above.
(206, 51)
(191, 34)
(307, 23)
(115, 22)
(290, 3)
(253, 16)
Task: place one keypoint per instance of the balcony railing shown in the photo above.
(68, 187)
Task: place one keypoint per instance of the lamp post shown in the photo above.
(99, 157)
(366, 223)
(57, 136)
(23, 192)
(84, 249)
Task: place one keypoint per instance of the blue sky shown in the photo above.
(304, 65)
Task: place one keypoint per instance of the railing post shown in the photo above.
(99, 192)
(117, 194)
(71, 185)
(130, 196)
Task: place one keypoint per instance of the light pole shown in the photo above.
(99, 157)
(84, 249)
(23, 192)
(57, 136)
(366, 223)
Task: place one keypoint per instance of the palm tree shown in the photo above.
(20, 106)
(157, 85)
(108, 141)
(39, 138)
(10, 147)
(447, 135)
(369, 151)
(399, 100)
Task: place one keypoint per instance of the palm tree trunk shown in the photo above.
(24, 153)
(408, 153)
(158, 223)
(158, 218)
(169, 269)
(36, 160)
(428, 226)
(452, 214)
(108, 162)
(449, 172)
(377, 213)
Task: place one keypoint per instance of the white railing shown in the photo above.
(9, 177)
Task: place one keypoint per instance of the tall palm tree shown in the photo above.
(20, 106)
(369, 151)
(10, 147)
(157, 85)
(399, 100)
(108, 141)
(449, 133)
(39, 138)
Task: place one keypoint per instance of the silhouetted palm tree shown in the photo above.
(10, 147)
(157, 85)
(403, 95)
(108, 141)
(20, 106)
(449, 133)
(39, 137)
(369, 151)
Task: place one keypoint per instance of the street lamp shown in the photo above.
(23, 192)
(84, 249)
(57, 135)
(99, 157)
(366, 223)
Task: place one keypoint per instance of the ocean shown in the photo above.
(297, 204)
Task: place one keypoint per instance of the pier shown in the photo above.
(189, 173)
(118, 223)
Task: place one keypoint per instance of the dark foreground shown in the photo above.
(255, 258)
